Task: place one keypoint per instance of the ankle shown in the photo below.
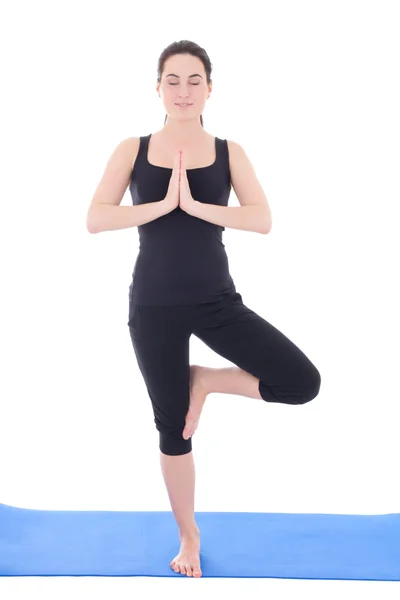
(189, 534)
(203, 380)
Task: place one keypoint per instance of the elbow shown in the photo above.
(268, 222)
(91, 224)
(90, 227)
(265, 220)
(267, 228)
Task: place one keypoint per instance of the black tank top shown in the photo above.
(182, 258)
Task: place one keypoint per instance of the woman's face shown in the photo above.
(184, 80)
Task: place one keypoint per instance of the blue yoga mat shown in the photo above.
(280, 545)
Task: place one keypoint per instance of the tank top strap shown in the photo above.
(144, 142)
(223, 158)
(222, 152)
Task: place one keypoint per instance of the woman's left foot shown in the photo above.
(198, 395)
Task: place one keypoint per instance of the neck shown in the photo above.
(183, 130)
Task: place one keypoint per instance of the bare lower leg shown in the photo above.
(231, 380)
(179, 471)
(179, 476)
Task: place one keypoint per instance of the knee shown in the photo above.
(311, 387)
(170, 429)
(174, 444)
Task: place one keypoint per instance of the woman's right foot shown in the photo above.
(198, 395)
(187, 561)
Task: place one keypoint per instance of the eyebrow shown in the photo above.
(194, 75)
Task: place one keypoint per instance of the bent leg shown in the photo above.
(240, 335)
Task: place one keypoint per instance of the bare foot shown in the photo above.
(187, 561)
(198, 395)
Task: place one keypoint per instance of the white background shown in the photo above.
(310, 90)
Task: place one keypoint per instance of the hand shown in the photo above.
(186, 200)
(172, 197)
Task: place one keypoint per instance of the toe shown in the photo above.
(196, 572)
(190, 428)
(187, 432)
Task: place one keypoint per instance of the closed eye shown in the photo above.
(177, 84)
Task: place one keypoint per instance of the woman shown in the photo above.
(181, 283)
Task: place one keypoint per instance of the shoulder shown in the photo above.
(128, 148)
(123, 155)
(235, 147)
(237, 154)
(238, 159)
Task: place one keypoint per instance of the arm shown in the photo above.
(250, 218)
(105, 212)
(254, 213)
(107, 217)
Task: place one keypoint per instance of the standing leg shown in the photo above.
(161, 343)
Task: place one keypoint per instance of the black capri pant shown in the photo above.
(160, 336)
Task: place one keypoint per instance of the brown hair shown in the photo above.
(184, 47)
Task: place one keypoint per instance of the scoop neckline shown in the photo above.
(170, 169)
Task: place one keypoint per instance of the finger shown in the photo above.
(183, 168)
